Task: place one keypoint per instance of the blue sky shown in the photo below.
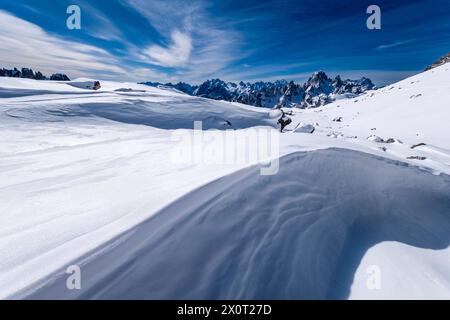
(194, 40)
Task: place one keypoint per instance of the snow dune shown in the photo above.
(294, 235)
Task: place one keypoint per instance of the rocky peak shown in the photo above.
(317, 91)
(318, 83)
(442, 60)
(29, 74)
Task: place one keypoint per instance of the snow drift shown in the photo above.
(301, 236)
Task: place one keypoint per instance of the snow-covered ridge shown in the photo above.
(301, 237)
(441, 61)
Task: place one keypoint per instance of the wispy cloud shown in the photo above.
(174, 55)
(198, 46)
(26, 44)
(179, 40)
(103, 28)
(393, 45)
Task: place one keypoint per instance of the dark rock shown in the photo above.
(416, 158)
(390, 140)
(418, 145)
(39, 76)
(96, 85)
(15, 73)
(59, 77)
(441, 61)
(27, 73)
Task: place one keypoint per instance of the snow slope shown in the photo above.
(86, 178)
(301, 238)
(412, 111)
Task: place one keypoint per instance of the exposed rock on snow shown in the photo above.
(284, 120)
(392, 140)
(443, 60)
(335, 135)
(375, 138)
(304, 128)
(417, 158)
(418, 145)
(381, 140)
(29, 74)
(59, 77)
(90, 85)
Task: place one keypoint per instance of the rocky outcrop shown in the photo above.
(28, 73)
(441, 61)
(59, 77)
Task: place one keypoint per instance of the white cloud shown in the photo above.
(207, 48)
(103, 28)
(24, 44)
(393, 45)
(176, 54)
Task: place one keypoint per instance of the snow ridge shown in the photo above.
(301, 239)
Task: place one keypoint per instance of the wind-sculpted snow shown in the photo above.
(298, 234)
(62, 102)
(80, 167)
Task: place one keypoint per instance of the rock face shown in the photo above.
(39, 76)
(317, 91)
(216, 89)
(59, 77)
(439, 62)
(29, 74)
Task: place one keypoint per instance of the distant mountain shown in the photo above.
(317, 91)
(439, 62)
(29, 74)
(180, 86)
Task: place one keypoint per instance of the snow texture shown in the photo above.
(86, 178)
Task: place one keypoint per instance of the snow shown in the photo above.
(304, 128)
(87, 178)
(375, 138)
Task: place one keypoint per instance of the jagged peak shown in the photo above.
(441, 61)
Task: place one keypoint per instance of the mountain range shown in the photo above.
(317, 91)
(28, 73)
